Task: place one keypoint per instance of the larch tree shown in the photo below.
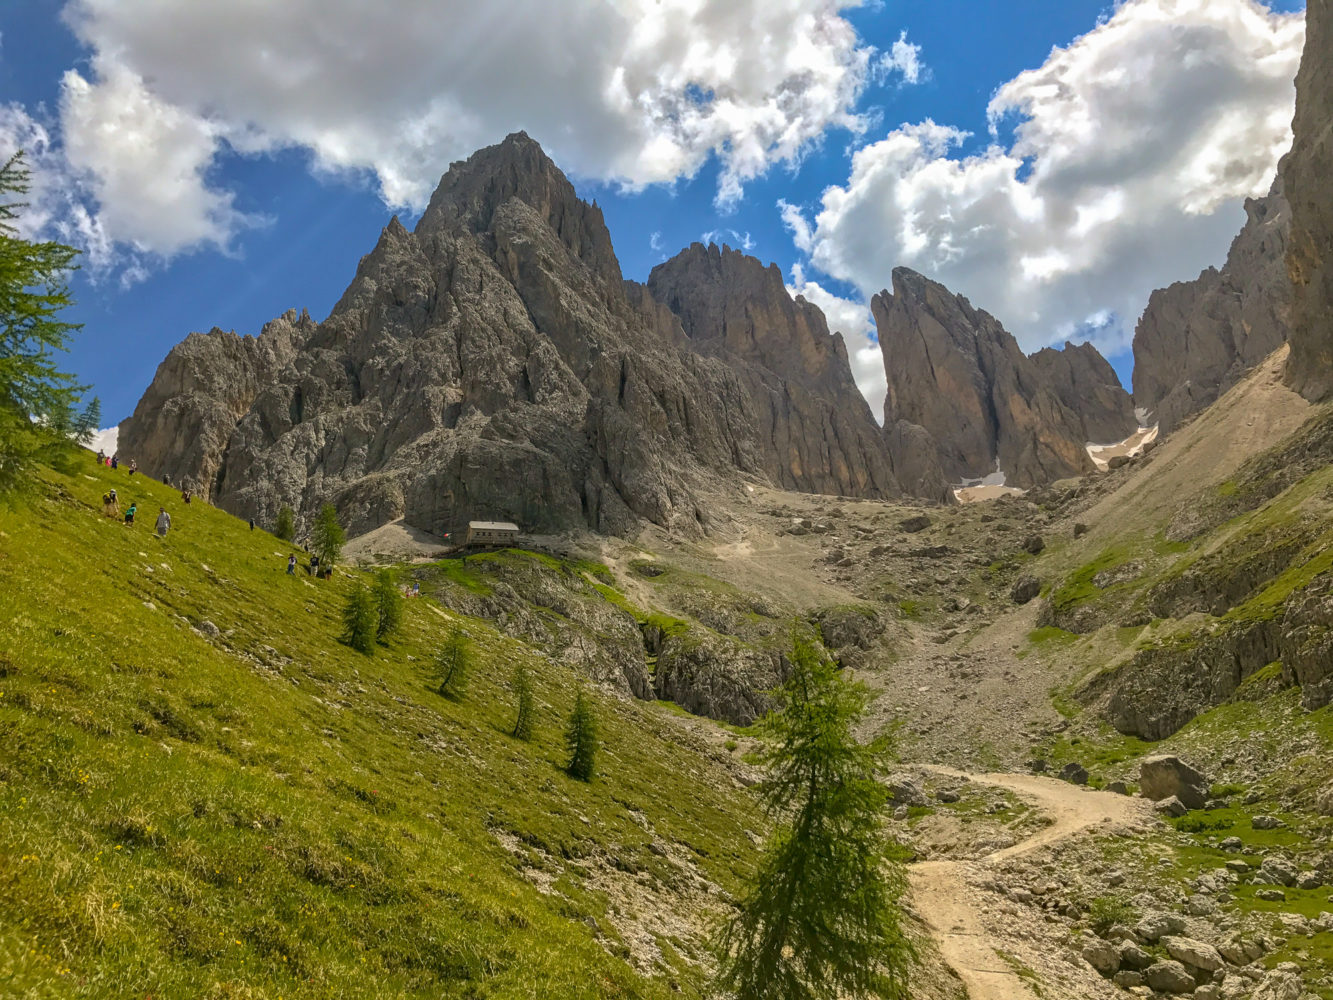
(821, 919)
(37, 400)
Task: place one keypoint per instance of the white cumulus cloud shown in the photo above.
(1132, 150)
(144, 161)
(635, 92)
(903, 58)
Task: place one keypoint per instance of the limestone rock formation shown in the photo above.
(955, 371)
(820, 427)
(202, 388)
(493, 362)
(1305, 176)
(1087, 384)
(1197, 338)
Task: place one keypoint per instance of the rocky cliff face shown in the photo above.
(1197, 338)
(821, 429)
(1305, 176)
(1088, 386)
(494, 363)
(955, 371)
(204, 386)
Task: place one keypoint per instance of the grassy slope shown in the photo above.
(270, 814)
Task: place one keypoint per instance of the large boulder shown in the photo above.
(1169, 977)
(1152, 927)
(1195, 954)
(1025, 588)
(1102, 956)
(1164, 776)
(1279, 984)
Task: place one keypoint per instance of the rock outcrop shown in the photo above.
(1088, 386)
(955, 371)
(1305, 176)
(1197, 338)
(202, 388)
(820, 428)
(1163, 776)
(493, 362)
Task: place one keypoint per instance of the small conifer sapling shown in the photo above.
(581, 739)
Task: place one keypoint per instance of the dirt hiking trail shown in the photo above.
(946, 892)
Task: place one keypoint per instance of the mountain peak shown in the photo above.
(473, 190)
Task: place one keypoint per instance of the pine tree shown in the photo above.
(388, 605)
(454, 663)
(36, 399)
(581, 739)
(523, 722)
(360, 620)
(285, 528)
(87, 423)
(821, 920)
(328, 537)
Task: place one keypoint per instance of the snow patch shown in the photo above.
(985, 488)
(1132, 446)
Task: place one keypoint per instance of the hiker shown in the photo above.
(115, 461)
(113, 504)
(166, 479)
(313, 569)
(185, 495)
(252, 521)
(163, 522)
(291, 564)
(134, 467)
(416, 590)
(101, 456)
(129, 514)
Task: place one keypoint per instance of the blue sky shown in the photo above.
(295, 225)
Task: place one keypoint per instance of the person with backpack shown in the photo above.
(134, 467)
(163, 522)
(129, 514)
(291, 564)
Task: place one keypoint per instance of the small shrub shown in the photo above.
(453, 663)
(1201, 823)
(285, 528)
(1105, 912)
(388, 605)
(581, 739)
(731, 745)
(523, 721)
(360, 620)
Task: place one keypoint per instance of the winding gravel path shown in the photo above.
(946, 892)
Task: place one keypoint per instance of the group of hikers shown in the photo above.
(111, 508)
(311, 569)
(111, 502)
(113, 461)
